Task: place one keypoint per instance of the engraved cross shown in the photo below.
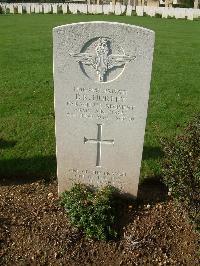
(99, 141)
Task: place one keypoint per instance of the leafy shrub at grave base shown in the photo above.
(92, 211)
(181, 168)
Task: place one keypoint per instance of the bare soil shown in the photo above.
(34, 230)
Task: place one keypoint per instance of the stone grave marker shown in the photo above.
(82, 8)
(47, 8)
(20, 9)
(94, 9)
(37, 8)
(32, 8)
(55, 8)
(3, 8)
(165, 12)
(129, 10)
(106, 9)
(40, 8)
(102, 74)
(140, 11)
(73, 8)
(65, 8)
(11, 7)
(112, 8)
(118, 9)
(189, 14)
(89, 8)
(28, 8)
(99, 9)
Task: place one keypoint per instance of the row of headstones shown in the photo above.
(46, 8)
(168, 12)
(118, 9)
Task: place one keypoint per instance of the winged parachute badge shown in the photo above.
(101, 60)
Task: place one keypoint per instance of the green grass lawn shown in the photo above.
(27, 141)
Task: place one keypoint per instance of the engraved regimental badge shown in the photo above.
(98, 55)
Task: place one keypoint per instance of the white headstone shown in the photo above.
(37, 8)
(94, 9)
(139, 11)
(165, 12)
(106, 9)
(40, 8)
(65, 8)
(82, 8)
(11, 7)
(20, 10)
(99, 9)
(89, 8)
(123, 9)
(129, 10)
(176, 13)
(55, 8)
(171, 12)
(73, 8)
(32, 8)
(112, 8)
(189, 14)
(100, 108)
(118, 9)
(46, 8)
(152, 12)
(28, 8)
(3, 8)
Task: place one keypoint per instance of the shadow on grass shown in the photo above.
(18, 171)
(152, 153)
(5, 144)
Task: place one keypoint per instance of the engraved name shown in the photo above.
(96, 103)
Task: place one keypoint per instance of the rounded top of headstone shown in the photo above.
(103, 22)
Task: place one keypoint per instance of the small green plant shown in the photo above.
(181, 168)
(91, 211)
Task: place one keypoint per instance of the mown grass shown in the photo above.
(27, 142)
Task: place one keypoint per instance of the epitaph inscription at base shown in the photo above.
(102, 74)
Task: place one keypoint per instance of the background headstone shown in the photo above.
(106, 9)
(73, 8)
(32, 8)
(40, 8)
(101, 109)
(99, 9)
(47, 8)
(189, 14)
(129, 10)
(65, 8)
(37, 8)
(20, 9)
(82, 8)
(139, 11)
(55, 8)
(165, 12)
(28, 8)
(118, 9)
(11, 7)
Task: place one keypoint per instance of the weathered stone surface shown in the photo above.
(102, 75)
